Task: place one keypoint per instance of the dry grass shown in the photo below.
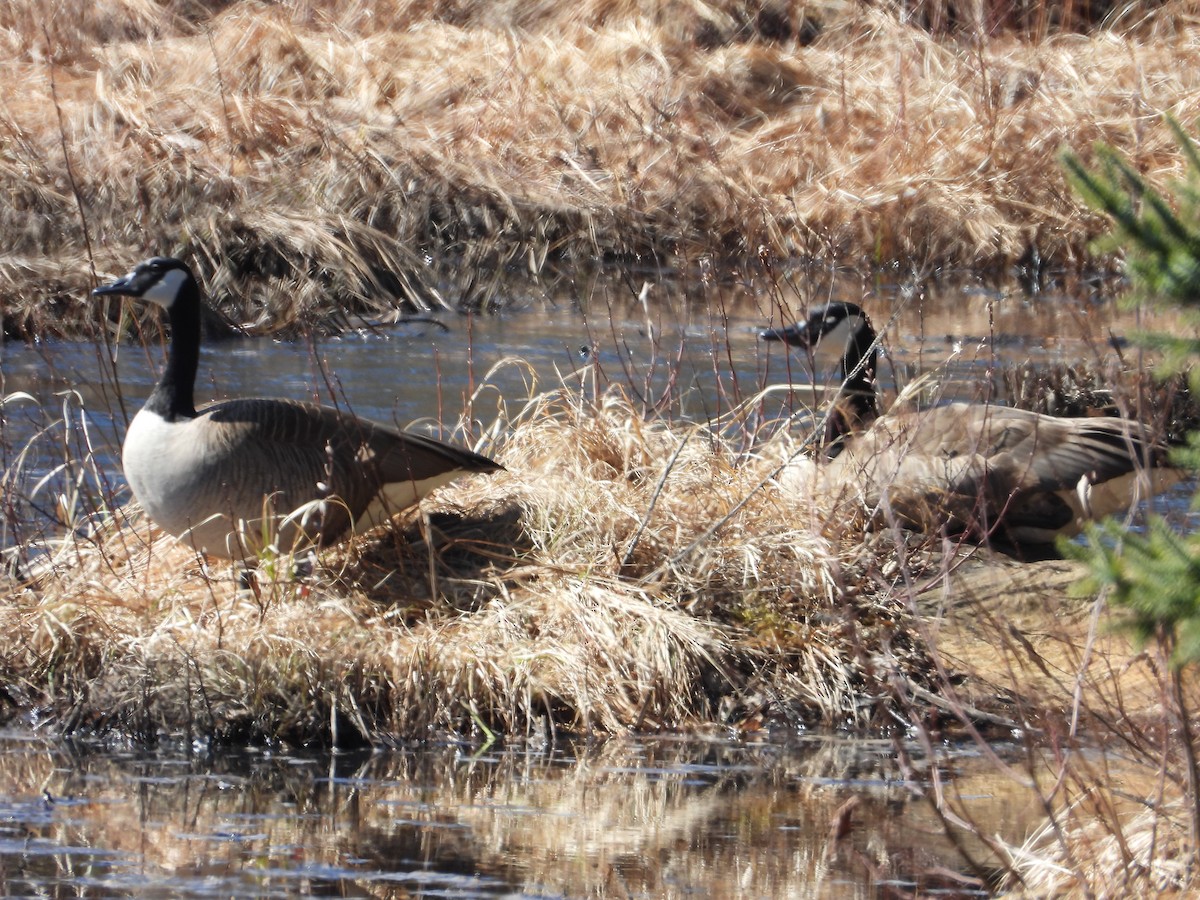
(314, 160)
(621, 575)
(310, 157)
(1140, 848)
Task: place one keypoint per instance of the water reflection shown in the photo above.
(654, 818)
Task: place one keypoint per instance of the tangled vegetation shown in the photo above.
(620, 575)
(314, 159)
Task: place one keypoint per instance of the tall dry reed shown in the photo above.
(316, 157)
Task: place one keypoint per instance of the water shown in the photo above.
(632, 818)
(679, 359)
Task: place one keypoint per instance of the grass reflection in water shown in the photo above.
(655, 818)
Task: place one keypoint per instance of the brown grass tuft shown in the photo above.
(621, 574)
(312, 158)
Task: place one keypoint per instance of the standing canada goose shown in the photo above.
(1014, 477)
(233, 474)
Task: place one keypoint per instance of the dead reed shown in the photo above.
(315, 158)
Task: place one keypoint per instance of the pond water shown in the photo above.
(679, 359)
(632, 818)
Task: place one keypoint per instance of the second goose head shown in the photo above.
(839, 334)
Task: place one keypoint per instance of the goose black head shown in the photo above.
(170, 284)
(832, 327)
(160, 280)
(839, 334)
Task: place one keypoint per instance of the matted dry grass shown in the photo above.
(622, 574)
(314, 157)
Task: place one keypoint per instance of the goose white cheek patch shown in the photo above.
(166, 289)
(832, 346)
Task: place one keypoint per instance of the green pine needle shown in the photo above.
(1153, 578)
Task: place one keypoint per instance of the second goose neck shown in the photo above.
(857, 404)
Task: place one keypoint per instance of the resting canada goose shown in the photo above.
(218, 475)
(1014, 477)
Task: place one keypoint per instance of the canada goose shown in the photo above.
(232, 473)
(1010, 476)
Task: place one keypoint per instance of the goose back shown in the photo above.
(997, 473)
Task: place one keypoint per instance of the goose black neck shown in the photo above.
(173, 398)
(857, 404)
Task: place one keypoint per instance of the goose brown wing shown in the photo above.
(326, 453)
(408, 456)
(1048, 453)
(1027, 450)
(948, 462)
